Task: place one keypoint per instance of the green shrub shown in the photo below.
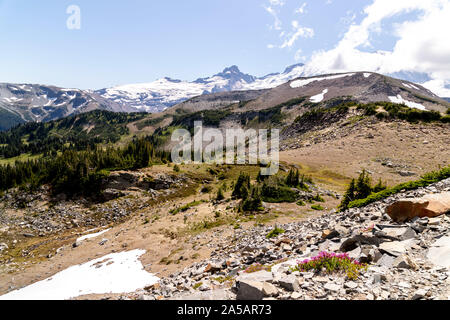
(256, 268)
(186, 207)
(176, 168)
(197, 285)
(206, 189)
(275, 232)
(318, 198)
(317, 207)
(277, 194)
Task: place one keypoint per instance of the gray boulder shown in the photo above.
(249, 290)
(290, 283)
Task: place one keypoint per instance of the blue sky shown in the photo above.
(139, 41)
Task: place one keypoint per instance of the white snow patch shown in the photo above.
(92, 235)
(410, 86)
(50, 101)
(366, 75)
(304, 82)
(413, 105)
(318, 98)
(115, 273)
(275, 80)
(67, 90)
(24, 88)
(407, 85)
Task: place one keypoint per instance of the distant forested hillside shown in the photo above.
(76, 132)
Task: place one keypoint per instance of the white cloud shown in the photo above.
(276, 2)
(273, 12)
(277, 22)
(289, 38)
(423, 44)
(298, 31)
(302, 9)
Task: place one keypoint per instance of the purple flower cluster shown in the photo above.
(329, 256)
(332, 262)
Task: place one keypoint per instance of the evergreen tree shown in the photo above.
(380, 186)
(220, 195)
(242, 187)
(349, 195)
(363, 185)
(253, 203)
(293, 178)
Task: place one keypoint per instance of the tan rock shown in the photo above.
(269, 290)
(430, 206)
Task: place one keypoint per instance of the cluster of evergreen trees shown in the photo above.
(80, 172)
(250, 195)
(273, 189)
(294, 180)
(360, 188)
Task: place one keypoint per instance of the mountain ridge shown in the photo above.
(21, 103)
(163, 93)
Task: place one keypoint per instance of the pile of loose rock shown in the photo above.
(39, 213)
(407, 260)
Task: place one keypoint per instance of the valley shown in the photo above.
(107, 177)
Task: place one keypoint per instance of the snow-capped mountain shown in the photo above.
(163, 93)
(21, 103)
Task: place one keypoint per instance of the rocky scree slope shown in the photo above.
(406, 260)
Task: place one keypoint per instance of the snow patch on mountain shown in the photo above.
(319, 98)
(413, 105)
(304, 82)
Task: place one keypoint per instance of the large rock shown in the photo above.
(430, 206)
(400, 233)
(219, 294)
(290, 283)
(269, 290)
(396, 248)
(260, 276)
(250, 290)
(386, 261)
(404, 262)
(354, 242)
(439, 253)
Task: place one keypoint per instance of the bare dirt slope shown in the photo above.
(393, 151)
